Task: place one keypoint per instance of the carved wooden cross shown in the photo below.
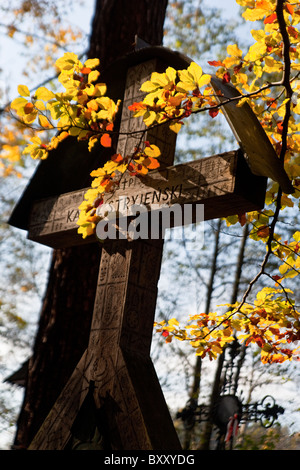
(113, 400)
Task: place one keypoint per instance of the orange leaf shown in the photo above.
(141, 169)
(93, 105)
(289, 8)
(176, 100)
(137, 106)
(28, 108)
(105, 140)
(216, 63)
(117, 158)
(85, 70)
(263, 231)
(151, 163)
(270, 19)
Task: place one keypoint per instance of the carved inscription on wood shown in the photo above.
(213, 181)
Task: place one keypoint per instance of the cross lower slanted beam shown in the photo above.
(223, 183)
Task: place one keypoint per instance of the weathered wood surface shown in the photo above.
(117, 360)
(115, 378)
(133, 131)
(115, 382)
(250, 135)
(223, 183)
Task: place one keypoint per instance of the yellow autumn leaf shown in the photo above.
(110, 167)
(216, 348)
(171, 74)
(18, 105)
(23, 90)
(254, 14)
(152, 151)
(67, 61)
(195, 70)
(159, 79)
(99, 89)
(192, 78)
(92, 63)
(44, 122)
(296, 236)
(233, 50)
(272, 65)
(256, 51)
(42, 93)
(149, 118)
(40, 105)
(74, 131)
(175, 127)
(93, 76)
(149, 86)
(291, 274)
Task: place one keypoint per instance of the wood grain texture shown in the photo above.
(117, 360)
(223, 183)
(115, 379)
(132, 407)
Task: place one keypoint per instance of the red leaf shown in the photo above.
(263, 231)
(105, 140)
(270, 19)
(213, 112)
(226, 77)
(165, 333)
(292, 32)
(260, 342)
(117, 158)
(242, 219)
(215, 63)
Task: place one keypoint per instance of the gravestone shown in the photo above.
(113, 399)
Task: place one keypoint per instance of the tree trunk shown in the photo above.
(117, 22)
(67, 308)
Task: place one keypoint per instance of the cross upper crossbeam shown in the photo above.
(213, 181)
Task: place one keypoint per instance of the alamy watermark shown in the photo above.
(153, 221)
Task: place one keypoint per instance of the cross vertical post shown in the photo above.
(117, 361)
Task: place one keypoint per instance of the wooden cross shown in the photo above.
(113, 399)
